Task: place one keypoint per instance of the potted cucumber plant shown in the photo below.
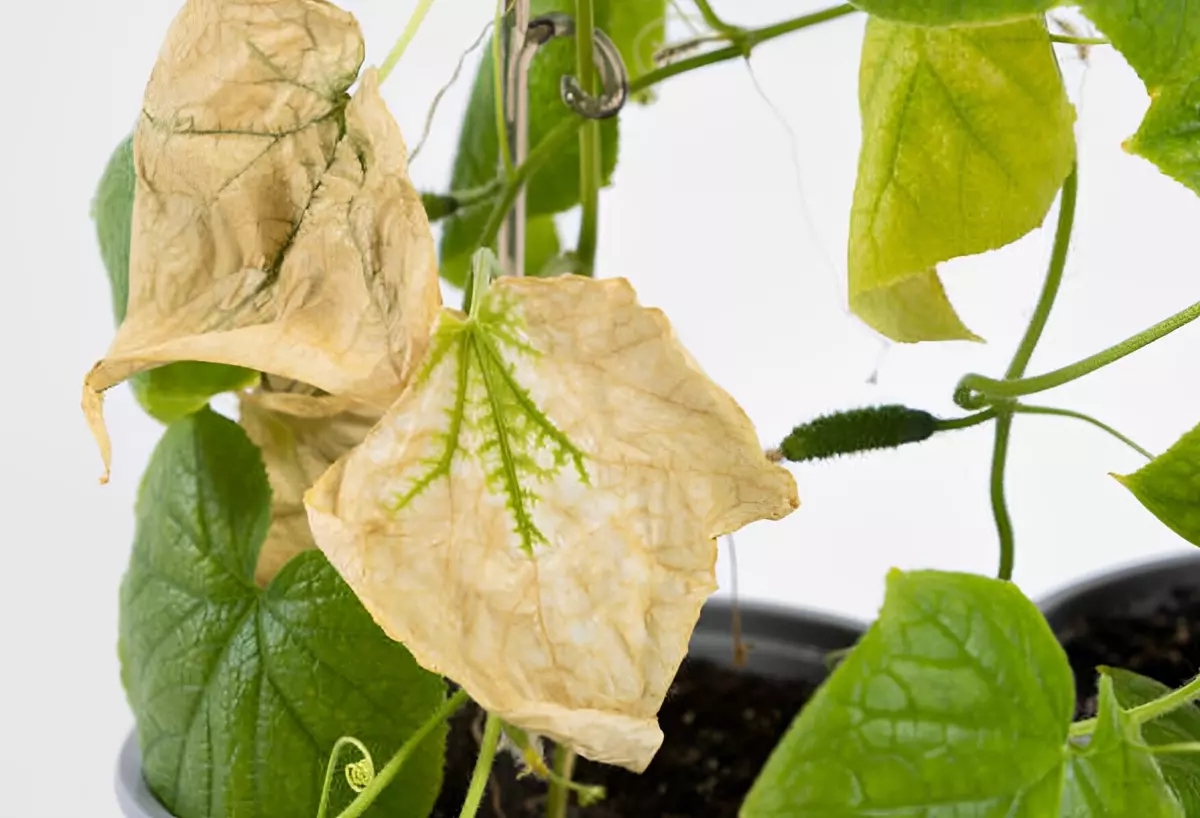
(452, 560)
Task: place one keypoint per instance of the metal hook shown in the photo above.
(613, 75)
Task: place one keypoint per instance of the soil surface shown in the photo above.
(720, 727)
(1164, 644)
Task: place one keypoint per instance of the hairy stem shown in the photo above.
(589, 139)
(714, 21)
(483, 767)
(950, 424)
(560, 784)
(384, 777)
(1025, 409)
(406, 37)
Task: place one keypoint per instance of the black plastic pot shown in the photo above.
(782, 643)
(1124, 618)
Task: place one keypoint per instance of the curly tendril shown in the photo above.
(359, 774)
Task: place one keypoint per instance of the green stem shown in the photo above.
(406, 37)
(950, 424)
(560, 783)
(734, 33)
(1166, 749)
(499, 75)
(483, 767)
(556, 139)
(384, 777)
(1068, 40)
(1058, 263)
(1004, 527)
(1026, 409)
(976, 391)
(589, 139)
(1150, 710)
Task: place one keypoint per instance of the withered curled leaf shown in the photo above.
(300, 436)
(274, 226)
(536, 515)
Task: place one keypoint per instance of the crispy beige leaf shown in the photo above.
(300, 436)
(536, 515)
(274, 226)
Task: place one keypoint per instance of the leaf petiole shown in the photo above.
(1150, 710)
(483, 767)
(406, 37)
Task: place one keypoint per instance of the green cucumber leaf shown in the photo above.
(956, 702)
(1161, 41)
(240, 693)
(954, 12)
(967, 137)
(1114, 775)
(1169, 486)
(1182, 725)
(636, 28)
(169, 392)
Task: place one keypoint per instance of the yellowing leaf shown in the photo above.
(535, 516)
(274, 225)
(300, 437)
(967, 137)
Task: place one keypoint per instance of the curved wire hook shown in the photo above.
(613, 75)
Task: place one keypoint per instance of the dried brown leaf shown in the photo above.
(536, 516)
(275, 226)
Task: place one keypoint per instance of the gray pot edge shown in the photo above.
(763, 627)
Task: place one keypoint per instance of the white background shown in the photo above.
(708, 218)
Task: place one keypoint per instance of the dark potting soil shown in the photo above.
(720, 726)
(1161, 641)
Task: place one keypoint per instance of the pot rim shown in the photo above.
(1096, 580)
(761, 621)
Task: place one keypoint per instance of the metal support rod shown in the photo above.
(516, 59)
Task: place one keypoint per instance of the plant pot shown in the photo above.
(786, 651)
(1144, 618)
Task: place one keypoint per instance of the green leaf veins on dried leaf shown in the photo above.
(274, 224)
(967, 136)
(535, 517)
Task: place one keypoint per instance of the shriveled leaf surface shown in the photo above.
(168, 392)
(1161, 40)
(635, 27)
(1169, 486)
(240, 693)
(300, 436)
(956, 702)
(535, 517)
(1114, 775)
(274, 225)
(955, 12)
(967, 137)
(1180, 726)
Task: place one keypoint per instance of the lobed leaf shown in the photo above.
(240, 692)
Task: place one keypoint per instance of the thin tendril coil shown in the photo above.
(360, 774)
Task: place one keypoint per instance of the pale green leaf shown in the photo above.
(1169, 486)
(956, 702)
(967, 137)
(1113, 775)
(240, 693)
